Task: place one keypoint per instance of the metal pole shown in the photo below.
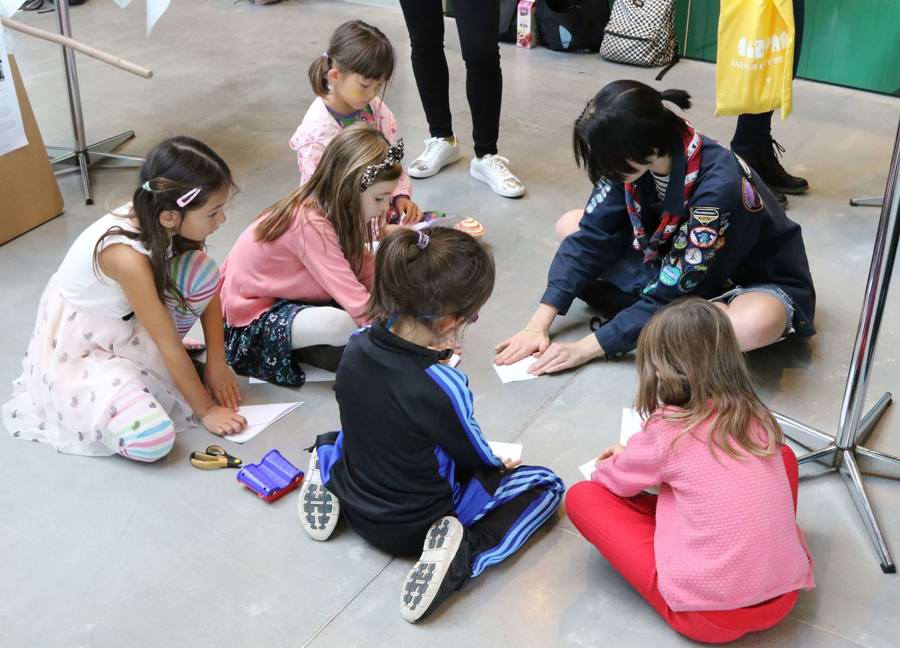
(874, 301)
(74, 96)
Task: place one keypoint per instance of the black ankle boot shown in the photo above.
(764, 160)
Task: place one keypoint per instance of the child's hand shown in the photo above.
(222, 421)
(521, 345)
(509, 464)
(410, 214)
(609, 452)
(222, 385)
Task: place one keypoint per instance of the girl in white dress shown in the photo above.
(106, 371)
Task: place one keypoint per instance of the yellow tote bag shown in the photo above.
(755, 57)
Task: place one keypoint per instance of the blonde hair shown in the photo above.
(335, 189)
(688, 356)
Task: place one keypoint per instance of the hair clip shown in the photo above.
(423, 240)
(146, 186)
(186, 199)
(393, 156)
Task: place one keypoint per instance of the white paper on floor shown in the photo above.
(588, 468)
(259, 417)
(516, 371)
(313, 375)
(511, 451)
(630, 425)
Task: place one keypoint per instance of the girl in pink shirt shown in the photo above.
(347, 80)
(300, 275)
(718, 553)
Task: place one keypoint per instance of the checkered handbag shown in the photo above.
(640, 32)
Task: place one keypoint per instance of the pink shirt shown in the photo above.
(726, 532)
(319, 127)
(305, 264)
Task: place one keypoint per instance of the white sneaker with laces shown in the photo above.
(492, 170)
(438, 153)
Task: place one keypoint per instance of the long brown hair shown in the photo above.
(355, 47)
(335, 189)
(174, 167)
(688, 356)
(427, 276)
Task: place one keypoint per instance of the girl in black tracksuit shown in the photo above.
(411, 463)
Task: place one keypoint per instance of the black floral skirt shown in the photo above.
(262, 349)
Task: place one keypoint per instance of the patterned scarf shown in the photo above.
(668, 222)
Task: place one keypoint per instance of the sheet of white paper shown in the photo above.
(12, 132)
(9, 7)
(313, 375)
(155, 10)
(588, 468)
(631, 425)
(123, 3)
(503, 450)
(259, 417)
(517, 371)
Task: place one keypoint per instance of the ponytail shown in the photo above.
(318, 74)
(678, 97)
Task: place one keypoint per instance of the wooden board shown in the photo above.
(29, 194)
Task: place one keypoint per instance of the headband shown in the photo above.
(393, 156)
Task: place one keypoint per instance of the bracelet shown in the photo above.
(538, 331)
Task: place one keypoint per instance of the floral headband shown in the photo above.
(393, 156)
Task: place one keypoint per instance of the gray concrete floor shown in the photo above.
(105, 552)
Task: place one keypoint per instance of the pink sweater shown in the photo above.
(726, 532)
(305, 264)
(319, 127)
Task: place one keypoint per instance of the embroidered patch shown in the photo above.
(650, 287)
(705, 215)
(693, 256)
(692, 279)
(719, 243)
(680, 241)
(670, 275)
(703, 237)
(750, 196)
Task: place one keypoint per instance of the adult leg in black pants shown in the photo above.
(753, 136)
(477, 24)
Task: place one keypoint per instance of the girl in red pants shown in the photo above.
(718, 553)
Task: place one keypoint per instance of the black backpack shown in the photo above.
(507, 32)
(572, 25)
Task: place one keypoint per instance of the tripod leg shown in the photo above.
(853, 479)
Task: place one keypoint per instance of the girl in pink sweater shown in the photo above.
(347, 80)
(718, 553)
(299, 276)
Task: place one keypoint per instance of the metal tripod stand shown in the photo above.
(844, 452)
(84, 156)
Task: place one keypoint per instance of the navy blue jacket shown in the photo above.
(734, 233)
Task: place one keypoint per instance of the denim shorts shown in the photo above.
(769, 289)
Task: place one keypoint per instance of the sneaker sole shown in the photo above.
(421, 175)
(791, 191)
(506, 193)
(319, 509)
(425, 578)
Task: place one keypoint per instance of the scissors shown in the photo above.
(214, 458)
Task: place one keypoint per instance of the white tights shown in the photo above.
(321, 325)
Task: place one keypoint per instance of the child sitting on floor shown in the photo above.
(106, 371)
(718, 553)
(411, 464)
(299, 276)
(347, 80)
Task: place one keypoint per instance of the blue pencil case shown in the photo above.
(271, 478)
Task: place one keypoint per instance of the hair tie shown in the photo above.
(325, 56)
(146, 187)
(423, 240)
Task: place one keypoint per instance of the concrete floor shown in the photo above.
(109, 553)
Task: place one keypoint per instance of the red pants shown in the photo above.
(622, 529)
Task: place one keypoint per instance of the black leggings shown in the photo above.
(755, 130)
(477, 22)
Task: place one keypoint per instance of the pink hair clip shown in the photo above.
(186, 199)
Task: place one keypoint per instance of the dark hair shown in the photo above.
(172, 168)
(335, 188)
(451, 274)
(355, 47)
(626, 120)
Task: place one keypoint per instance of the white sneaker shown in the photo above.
(492, 170)
(438, 153)
(319, 509)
